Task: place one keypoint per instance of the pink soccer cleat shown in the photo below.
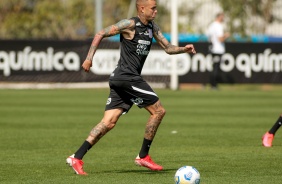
(76, 164)
(148, 162)
(267, 139)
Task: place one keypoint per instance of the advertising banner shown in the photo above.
(60, 61)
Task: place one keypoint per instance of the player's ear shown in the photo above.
(142, 8)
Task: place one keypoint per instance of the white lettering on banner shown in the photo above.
(201, 63)
(28, 60)
(264, 62)
(105, 61)
(229, 63)
(159, 63)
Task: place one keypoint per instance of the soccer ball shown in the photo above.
(187, 175)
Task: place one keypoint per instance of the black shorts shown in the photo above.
(123, 94)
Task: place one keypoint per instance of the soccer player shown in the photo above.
(269, 136)
(127, 87)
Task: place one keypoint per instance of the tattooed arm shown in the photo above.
(171, 49)
(123, 27)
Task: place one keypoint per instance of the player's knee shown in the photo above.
(110, 124)
(163, 112)
(111, 117)
(159, 114)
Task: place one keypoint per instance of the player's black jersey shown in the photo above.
(134, 52)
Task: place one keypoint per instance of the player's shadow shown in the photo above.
(142, 171)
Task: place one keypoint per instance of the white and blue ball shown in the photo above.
(187, 175)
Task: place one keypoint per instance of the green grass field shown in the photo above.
(218, 132)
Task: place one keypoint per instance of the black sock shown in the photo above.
(82, 150)
(145, 148)
(276, 126)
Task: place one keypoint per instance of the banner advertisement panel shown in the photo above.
(60, 61)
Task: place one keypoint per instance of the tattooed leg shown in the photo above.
(157, 113)
(98, 132)
(107, 123)
(151, 129)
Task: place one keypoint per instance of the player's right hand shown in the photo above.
(86, 65)
(190, 49)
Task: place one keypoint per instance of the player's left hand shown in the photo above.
(190, 49)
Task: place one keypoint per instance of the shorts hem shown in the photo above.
(143, 106)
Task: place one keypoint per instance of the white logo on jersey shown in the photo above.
(109, 101)
(142, 49)
(138, 24)
(144, 33)
(144, 42)
(137, 101)
(149, 33)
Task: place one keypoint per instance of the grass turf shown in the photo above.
(218, 132)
